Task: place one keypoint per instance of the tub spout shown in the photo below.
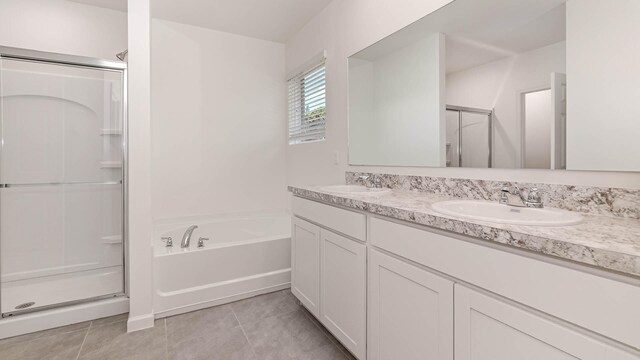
(186, 238)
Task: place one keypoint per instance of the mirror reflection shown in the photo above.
(501, 84)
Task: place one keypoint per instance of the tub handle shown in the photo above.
(168, 241)
(201, 241)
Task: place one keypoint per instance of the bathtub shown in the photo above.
(245, 256)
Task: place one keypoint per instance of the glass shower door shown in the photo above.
(61, 184)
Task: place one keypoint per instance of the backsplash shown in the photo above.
(585, 199)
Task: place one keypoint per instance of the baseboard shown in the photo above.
(141, 322)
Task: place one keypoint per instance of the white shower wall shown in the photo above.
(218, 122)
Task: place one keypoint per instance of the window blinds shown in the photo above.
(307, 105)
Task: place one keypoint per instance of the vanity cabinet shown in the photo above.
(410, 311)
(490, 329)
(393, 290)
(328, 270)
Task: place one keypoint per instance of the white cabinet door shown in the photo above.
(305, 264)
(410, 312)
(343, 290)
(489, 329)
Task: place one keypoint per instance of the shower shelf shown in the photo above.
(106, 132)
(110, 164)
(114, 239)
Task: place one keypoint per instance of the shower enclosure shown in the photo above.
(469, 137)
(62, 179)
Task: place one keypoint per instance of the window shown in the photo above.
(307, 105)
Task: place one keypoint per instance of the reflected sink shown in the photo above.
(504, 214)
(352, 189)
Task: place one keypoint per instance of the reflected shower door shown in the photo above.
(61, 198)
(453, 136)
(475, 144)
(468, 134)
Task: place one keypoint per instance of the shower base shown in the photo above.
(49, 291)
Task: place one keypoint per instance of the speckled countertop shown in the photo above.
(607, 242)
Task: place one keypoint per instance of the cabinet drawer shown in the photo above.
(346, 222)
(596, 303)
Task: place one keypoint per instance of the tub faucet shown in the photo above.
(201, 241)
(186, 238)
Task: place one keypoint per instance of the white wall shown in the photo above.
(345, 27)
(400, 119)
(499, 85)
(63, 26)
(603, 127)
(363, 135)
(140, 268)
(218, 131)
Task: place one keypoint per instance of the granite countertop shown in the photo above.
(607, 242)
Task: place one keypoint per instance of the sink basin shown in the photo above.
(351, 189)
(504, 214)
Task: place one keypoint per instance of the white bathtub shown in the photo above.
(245, 256)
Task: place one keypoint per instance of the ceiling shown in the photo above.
(478, 32)
(120, 5)
(471, 50)
(273, 20)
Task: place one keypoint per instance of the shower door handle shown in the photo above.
(5, 186)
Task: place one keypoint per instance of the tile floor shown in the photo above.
(269, 327)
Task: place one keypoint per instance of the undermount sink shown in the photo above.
(504, 214)
(350, 189)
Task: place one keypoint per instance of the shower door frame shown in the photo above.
(488, 113)
(50, 58)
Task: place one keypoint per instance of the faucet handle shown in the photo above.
(535, 195)
(201, 241)
(168, 241)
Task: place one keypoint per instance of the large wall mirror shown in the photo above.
(535, 84)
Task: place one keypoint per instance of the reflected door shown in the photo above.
(61, 198)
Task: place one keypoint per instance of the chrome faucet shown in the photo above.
(514, 196)
(186, 238)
